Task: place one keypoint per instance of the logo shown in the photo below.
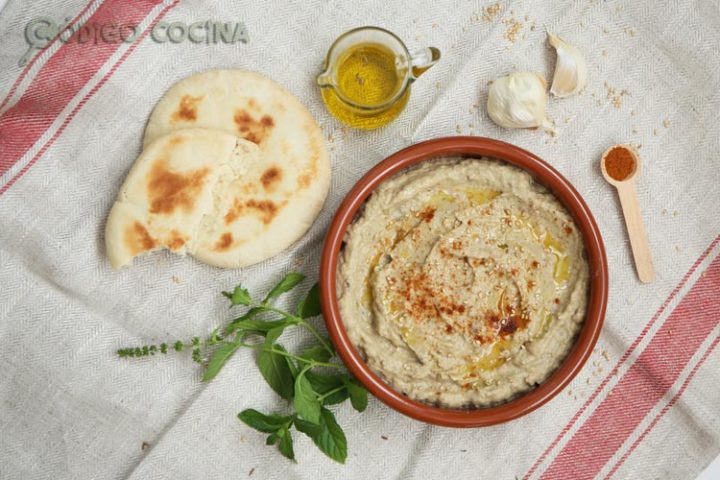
(42, 30)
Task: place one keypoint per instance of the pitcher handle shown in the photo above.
(422, 59)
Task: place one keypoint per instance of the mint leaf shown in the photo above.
(310, 305)
(358, 395)
(286, 444)
(308, 428)
(288, 282)
(218, 360)
(336, 397)
(276, 371)
(332, 439)
(294, 369)
(264, 423)
(259, 327)
(247, 316)
(272, 439)
(328, 435)
(274, 333)
(306, 401)
(325, 383)
(317, 353)
(239, 296)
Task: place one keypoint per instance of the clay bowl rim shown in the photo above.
(466, 146)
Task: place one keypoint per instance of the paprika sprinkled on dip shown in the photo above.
(463, 282)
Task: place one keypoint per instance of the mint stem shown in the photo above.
(300, 321)
(312, 363)
(330, 392)
(317, 335)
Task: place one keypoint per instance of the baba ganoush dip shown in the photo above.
(463, 282)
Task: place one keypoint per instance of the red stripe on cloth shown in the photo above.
(665, 408)
(622, 359)
(60, 79)
(87, 97)
(645, 383)
(39, 53)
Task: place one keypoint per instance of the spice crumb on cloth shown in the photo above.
(489, 13)
(513, 29)
(615, 97)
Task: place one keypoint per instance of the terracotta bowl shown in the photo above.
(544, 174)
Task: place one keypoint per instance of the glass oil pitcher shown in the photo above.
(367, 76)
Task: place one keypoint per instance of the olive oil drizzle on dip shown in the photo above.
(473, 282)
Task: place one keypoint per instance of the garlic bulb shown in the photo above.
(518, 101)
(570, 69)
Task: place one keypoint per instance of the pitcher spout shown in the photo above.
(324, 79)
(423, 59)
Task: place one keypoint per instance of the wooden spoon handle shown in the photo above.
(636, 231)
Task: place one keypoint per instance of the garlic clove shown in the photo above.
(570, 69)
(518, 100)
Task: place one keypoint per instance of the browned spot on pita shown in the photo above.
(266, 210)
(224, 242)
(187, 109)
(138, 239)
(175, 141)
(271, 177)
(253, 104)
(168, 190)
(175, 241)
(234, 212)
(252, 129)
(249, 188)
(308, 175)
(304, 180)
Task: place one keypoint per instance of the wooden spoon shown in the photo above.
(631, 210)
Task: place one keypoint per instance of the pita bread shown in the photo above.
(172, 192)
(282, 192)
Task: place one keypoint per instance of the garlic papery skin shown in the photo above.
(570, 69)
(518, 101)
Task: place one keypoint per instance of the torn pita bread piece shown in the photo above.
(277, 199)
(171, 190)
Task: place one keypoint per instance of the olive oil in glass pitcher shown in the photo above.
(367, 76)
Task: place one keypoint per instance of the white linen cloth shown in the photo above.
(70, 409)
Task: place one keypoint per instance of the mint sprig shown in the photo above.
(293, 376)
